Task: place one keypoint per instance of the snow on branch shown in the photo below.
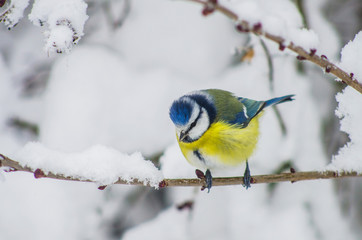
(99, 164)
(9, 165)
(303, 53)
(65, 20)
(14, 11)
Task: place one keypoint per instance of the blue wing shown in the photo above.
(278, 100)
(252, 108)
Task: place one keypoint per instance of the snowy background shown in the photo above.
(84, 84)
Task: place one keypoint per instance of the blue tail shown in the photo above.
(278, 100)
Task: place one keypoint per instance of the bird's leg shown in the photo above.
(247, 176)
(208, 180)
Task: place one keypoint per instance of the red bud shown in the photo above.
(162, 184)
(200, 174)
(312, 52)
(39, 173)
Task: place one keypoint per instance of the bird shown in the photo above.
(217, 129)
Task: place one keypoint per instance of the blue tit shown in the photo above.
(215, 128)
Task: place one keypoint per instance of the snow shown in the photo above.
(65, 20)
(100, 164)
(58, 15)
(278, 17)
(351, 60)
(60, 39)
(15, 12)
(181, 39)
(349, 157)
(233, 213)
(103, 109)
(171, 224)
(105, 84)
(173, 159)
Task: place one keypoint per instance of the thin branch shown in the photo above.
(272, 178)
(281, 122)
(270, 65)
(310, 55)
(14, 166)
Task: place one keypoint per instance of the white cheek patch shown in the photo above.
(195, 113)
(201, 126)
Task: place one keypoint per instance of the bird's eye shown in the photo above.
(193, 124)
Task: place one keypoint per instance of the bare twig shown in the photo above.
(272, 178)
(310, 55)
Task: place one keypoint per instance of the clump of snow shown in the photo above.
(59, 15)
(349, 111)
(14, 12)
(100, 164)
(351, 57)
(279, 17)
(59, 39)
(306, 38)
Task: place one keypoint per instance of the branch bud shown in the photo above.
(281, 46)
(257, 27)
(312, 52)
(207, 11)
(200, 174)
(301, 58)
(162, 184)
(39, 173)
(324, 57)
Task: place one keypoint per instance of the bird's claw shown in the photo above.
(208, 180)
(247, 176)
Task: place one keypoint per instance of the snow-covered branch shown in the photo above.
(98, 164)
(13, 12)
(303, 54)
(64, 19)
(12, 166)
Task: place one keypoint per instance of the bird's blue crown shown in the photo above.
(180, 111)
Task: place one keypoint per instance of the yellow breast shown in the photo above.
(222, 145)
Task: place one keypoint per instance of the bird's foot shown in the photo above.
(207, 177)
(247, 176)
(208, 180)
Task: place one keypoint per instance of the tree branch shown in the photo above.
(293, 176)
(310, 55)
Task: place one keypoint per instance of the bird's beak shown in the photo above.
(182, 136)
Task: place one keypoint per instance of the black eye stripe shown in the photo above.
(193, 124)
